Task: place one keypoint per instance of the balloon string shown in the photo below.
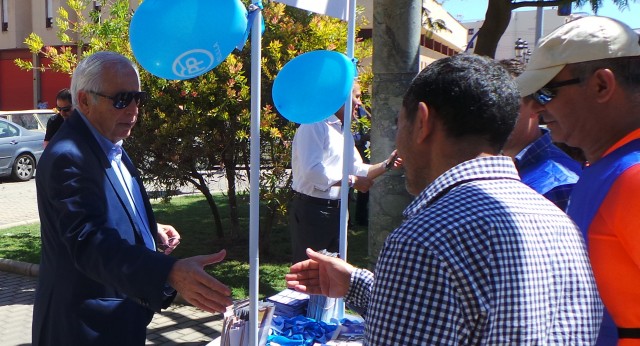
(252, 12)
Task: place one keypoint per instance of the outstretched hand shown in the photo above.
(320, 274)
(198, 287)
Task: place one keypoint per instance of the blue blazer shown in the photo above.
(98, 283)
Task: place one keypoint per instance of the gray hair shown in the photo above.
(88, 74)
(625, 69)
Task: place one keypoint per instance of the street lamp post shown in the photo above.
(527, 55)
(521, 47)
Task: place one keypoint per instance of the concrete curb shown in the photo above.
(20, 223)
(20, 268)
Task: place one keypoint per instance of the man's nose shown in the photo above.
(536, 107)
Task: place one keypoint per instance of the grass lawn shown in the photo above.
(191, 216)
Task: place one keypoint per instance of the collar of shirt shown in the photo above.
(489, 167)
(334, 121)
(115, 154)
(535, 151)
(635, 134)
(110, 149)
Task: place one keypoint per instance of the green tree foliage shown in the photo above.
(190, 129)
(499, 14)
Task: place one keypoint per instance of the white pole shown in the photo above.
(254, 176)
(539, 23)
(347, 153)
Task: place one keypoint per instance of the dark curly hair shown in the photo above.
(472, 96)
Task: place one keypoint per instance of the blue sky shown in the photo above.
(468, 10)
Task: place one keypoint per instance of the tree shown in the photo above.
(499, 14)
(210, 122)
(193, 127)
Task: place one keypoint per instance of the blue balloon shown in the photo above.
(182, 39)
(313, 86)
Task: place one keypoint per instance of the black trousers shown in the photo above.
(313, 225)
(362, 208)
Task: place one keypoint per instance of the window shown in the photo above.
(49, 13)
(8, 130)
(4, 15)
(471, 31)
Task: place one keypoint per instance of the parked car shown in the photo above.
(31, 119)
(20, 150)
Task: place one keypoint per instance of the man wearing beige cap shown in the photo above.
(585, 77)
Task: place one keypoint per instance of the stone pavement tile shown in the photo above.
(184, 325)
(16, 308)
(178, 325)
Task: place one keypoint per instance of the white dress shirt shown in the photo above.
(317, 159)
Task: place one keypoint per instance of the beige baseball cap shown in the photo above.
(584, 39)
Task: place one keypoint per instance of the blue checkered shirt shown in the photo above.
(548, 170)
(480, 259)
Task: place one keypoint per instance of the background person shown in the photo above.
(316, 162)
(585, 78)
(480, 258)
(64, 106)
(101, 276)
(541, 164)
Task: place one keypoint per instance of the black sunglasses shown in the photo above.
(547, 92)
(123, 99)
(63, 109)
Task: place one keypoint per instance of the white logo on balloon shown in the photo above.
(195, 62)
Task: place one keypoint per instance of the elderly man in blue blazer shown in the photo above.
(101, 276)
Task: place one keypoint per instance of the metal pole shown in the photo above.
(37, 82)
(254, 176)
(539, 23)
(347, 152)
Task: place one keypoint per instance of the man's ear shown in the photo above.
(604, 83)
(83, 101)
(423, 123)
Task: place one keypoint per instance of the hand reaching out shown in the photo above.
(320, 274)
(198, 287)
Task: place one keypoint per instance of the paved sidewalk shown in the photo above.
(178, 325)
(18, 201)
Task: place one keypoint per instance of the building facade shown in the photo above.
(434, 44)
(20, 89)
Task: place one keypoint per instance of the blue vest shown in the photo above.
(586, 198)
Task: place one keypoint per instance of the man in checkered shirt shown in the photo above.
(480, 258)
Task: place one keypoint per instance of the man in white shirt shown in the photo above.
(314, 214)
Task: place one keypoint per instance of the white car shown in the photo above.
(31, 119)
(20, 150)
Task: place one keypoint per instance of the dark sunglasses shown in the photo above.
(547, 92)
(123, 99)
(63, 109)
